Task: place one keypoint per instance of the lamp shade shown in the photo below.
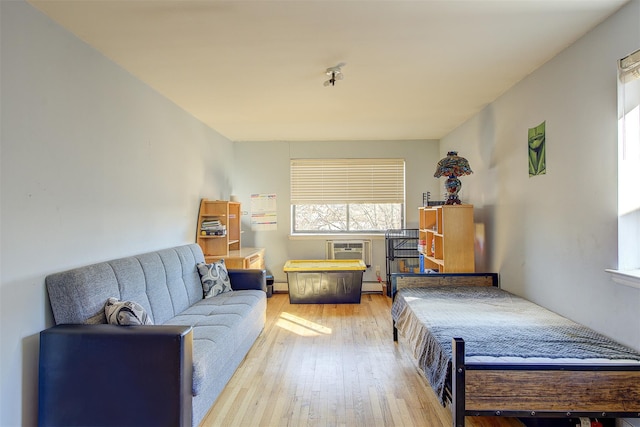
(453, 165)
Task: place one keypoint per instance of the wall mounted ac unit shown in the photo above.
(350, 249)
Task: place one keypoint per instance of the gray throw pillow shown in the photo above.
(126, 313)
(214, 278)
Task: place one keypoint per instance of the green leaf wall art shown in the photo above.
(537, 156)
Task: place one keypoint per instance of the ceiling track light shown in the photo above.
(335, 74)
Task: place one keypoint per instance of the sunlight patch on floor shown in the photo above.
(301, 326)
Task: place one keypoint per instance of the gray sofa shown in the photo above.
(171, 373)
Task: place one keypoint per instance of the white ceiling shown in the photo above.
(254, 70)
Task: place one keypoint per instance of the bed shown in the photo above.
(487, 352)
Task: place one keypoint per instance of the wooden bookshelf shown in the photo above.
(227, 245)
(446, 238)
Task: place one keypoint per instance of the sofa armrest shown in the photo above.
(248, 279)
(115, 375)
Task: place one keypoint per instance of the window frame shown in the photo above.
(628, 269)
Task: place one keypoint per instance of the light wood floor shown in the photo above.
(331, 365)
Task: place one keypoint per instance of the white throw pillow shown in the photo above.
(126, 313)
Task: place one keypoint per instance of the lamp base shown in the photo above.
(452, 185)
(453, 200)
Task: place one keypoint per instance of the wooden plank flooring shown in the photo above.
(331, 365)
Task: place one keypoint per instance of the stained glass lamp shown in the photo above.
(452, 166)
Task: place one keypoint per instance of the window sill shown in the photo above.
(626, 277)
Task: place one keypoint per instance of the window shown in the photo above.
(338, 196)
(629, 167)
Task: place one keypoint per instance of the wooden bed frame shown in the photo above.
(529, 390)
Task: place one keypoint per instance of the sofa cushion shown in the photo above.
(215, 278)
(125, 313)
(220, 324)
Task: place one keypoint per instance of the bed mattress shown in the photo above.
(496, 326)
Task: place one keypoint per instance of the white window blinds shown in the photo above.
(630, 67)
(335, 181)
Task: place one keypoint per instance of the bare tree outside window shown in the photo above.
(347, 218)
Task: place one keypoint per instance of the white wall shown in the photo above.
(95, 165)
(263, 167)
(552, 236)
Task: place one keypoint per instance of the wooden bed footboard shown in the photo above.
(544, 390)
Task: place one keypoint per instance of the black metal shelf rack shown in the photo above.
(401, 251)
